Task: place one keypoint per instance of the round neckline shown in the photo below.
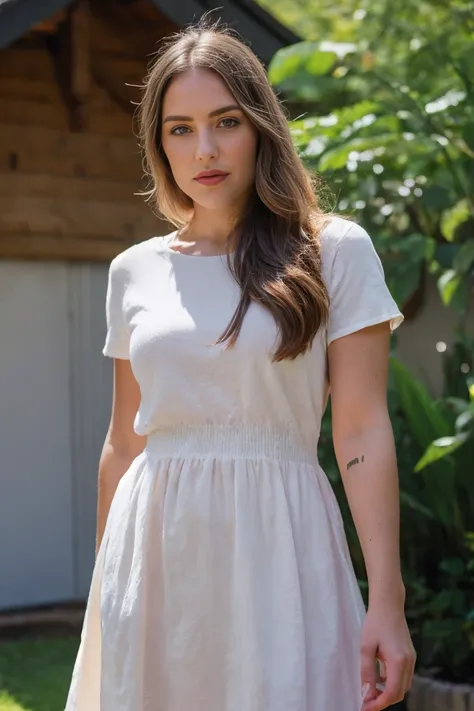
(166, 239)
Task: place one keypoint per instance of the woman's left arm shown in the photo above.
(365, 451)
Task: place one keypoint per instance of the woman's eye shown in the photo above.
(225, 123)
(178, 128)
(233, 120)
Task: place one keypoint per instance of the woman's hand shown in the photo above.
(385, 637)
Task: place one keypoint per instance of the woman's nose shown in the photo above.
(206, 147)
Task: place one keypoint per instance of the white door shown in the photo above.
(36, 505)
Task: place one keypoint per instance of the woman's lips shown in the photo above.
(211, 179)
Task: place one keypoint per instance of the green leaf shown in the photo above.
(285, 63)
(468, 134)
(447, 284)
(436, 198)
(441, 448)
(456, 404)
(403, 258)
(465, 231)
(453, 566)
(440, 629)
(321, 62)
(425, 419)
(412, 503)
(467, 60)
(453, 217)
(303, 56)
(470, 544)
(454, 290)
(342, 49)
(444, 255)
(337, 157)
(465, 420)
(403, 282)
(306, 88)
(453, 97)
(470, 386)
(464, 259)
(460, 301)
(333, 123)
(450, 600)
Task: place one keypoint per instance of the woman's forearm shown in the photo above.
(112, 467)
(368, 465)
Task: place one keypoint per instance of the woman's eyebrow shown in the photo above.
(216, 112)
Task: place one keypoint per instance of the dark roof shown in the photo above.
(17, 16)
(265, 34)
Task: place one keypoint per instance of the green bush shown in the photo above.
(388, 120)
(381, 103)
(437, 531)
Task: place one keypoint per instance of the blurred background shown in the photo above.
(380, 99)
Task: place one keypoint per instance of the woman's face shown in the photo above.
(203, 129)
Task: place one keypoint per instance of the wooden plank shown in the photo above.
(441, 695)
(121, 30)
(103, 39)
(470, 706)
(416, 695)
(104, 116)
(32, 64)
(126, 68)
(71, 248)
(113, 123)
(79, 19)
(71, 56)
(148, 12)
(42, 150)
(29, 99)
(126, 97)
(13, 185)
(140, 36)
(28, 113)
(68, 216)
(460, 697)
(101, 103)
(25, 89)
(67, 248)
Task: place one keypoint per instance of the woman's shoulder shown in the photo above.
(354, 276)
(340, 229)
(343, 237)
(137, 256)
(346, 248)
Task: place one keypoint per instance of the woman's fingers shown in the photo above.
(368, 673)
(409, 674)
(398, 675)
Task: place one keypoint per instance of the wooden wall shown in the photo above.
(69, 160)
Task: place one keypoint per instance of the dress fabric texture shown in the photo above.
(224, 582)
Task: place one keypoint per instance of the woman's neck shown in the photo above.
(207, 231)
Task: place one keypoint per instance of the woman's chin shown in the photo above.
(217, 202)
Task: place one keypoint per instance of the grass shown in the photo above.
(35, 674)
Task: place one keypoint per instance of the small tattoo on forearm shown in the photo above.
(355, 461)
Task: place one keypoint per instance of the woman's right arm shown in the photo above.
(122, 444)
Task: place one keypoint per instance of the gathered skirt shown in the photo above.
(223, 582)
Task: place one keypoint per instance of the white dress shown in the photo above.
(223, 582)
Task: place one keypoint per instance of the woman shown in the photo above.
(223, 580)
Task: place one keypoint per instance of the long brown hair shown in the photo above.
(277, 261)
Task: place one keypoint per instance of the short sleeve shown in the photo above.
(117, 341)
(359, 296)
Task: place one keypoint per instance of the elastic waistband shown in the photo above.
(230, 442)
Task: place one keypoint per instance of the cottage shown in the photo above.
(69, 173)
